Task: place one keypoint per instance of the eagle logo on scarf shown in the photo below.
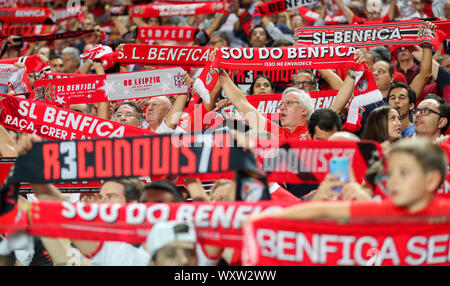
(41, 91)
(178, 79)
(362, 85)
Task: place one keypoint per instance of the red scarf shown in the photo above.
(56, 123)
(279, 242)
(167, 33)
(412, 32)
(109, 87)
(282, 58)
(24, 15)
(216, 224)
(307, 161)
(191, 9)
(29, 30)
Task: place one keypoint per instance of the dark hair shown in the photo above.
(252, 86)
(429, 155)
(307, 71)
(324, 118)
(222, 35)
(411, 93)
(391, 67)
(139, 113)
(383, 52)
(434, 96)
(282, 43)
(269, 39)
(132, 187)
(376, 127)
(444, 110)
(165, 186)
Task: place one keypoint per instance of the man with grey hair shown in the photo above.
(71, 59)
(295, 106)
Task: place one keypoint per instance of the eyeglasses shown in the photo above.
(425, 111)
(288, 103)
(126, 115)
(304, 83)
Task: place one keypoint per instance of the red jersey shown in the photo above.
(301, 132)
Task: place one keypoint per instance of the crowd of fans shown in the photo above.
(413, 80)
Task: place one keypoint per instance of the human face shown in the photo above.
(428, 125)
(258, 38)
(407, 182)
(447, 10)
(394, 125)
(262, 86)
(216, 41)
(157, 109)
(291, 111)
(60, 45)
(156, 196)
(296, 22)
(404, 54)
(446, 63)
(381, 74)
(127, 115)
(57, 65)
(70, 65)
(79, 108)
(153, 21)
(304, 81)
(112, 192)
(44, 51)
(418, 5)
(223, 193)
(177, 253)
(398, 97)
(320, 134)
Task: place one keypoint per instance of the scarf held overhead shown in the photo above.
(54, 123)
(172, 10)
(109, 87)
(282, 58)
(279, 242)
(403, 33)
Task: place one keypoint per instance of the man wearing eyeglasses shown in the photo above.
(129, 113)
(296, 107)
(431, 119)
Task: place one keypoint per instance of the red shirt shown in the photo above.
(300, 132)
(439, 206)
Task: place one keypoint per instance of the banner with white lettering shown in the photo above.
(29, 30)
(6, 73)
(24, 15)
(216, 224)
(144, 156)
(278, 6)
(116, 86)
(307, 161)
(412, 32)
(172, 10)
(54, 123)
(282, 58)
(279, 242)
(267, 104)
(168, 33)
